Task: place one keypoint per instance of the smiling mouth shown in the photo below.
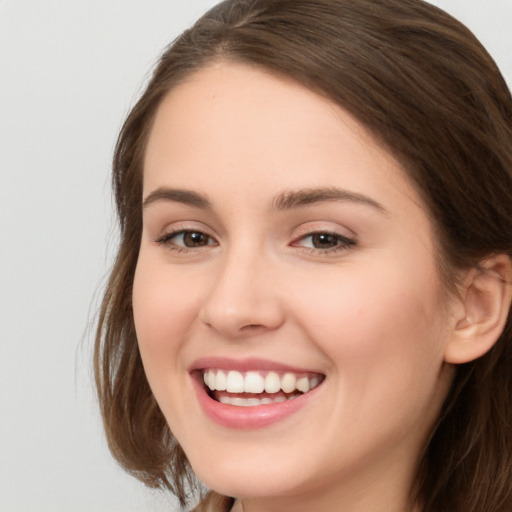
(253, 388)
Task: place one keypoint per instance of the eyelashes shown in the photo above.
(186, 239)
(315, 242)
(324, 241)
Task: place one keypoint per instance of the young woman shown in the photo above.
(310, 306)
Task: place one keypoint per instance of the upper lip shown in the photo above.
(246, 365)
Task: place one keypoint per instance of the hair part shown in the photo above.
(428, 91)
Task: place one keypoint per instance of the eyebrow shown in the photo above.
(288, 200)
(179, 196)
(296, 199)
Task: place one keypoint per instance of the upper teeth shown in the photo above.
(233, 381)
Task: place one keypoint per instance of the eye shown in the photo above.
(186, 239)
(324, 241)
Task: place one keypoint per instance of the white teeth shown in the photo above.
(220, 381)
(207, 380)
(288, 382)
(272, 382)
(254, 383)
(250, 402)
(235, 382)
(257, 382)
(302, 384)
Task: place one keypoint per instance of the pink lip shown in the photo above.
(245, 365)
(237, 417)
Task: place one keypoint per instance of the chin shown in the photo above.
(231, 477)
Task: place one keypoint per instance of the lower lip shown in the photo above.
(257, 416)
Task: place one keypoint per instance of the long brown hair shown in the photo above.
(427, 89)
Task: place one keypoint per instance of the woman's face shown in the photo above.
(284, 249)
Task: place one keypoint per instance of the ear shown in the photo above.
(486, 297)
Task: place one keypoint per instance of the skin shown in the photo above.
(370, 315)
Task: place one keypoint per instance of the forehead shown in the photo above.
(233, 122)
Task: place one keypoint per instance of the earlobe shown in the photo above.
(486, 296)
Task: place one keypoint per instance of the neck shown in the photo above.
(243, 505)
(387, 490)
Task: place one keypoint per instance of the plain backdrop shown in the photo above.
(69, 71)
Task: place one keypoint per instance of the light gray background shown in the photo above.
(69, 71)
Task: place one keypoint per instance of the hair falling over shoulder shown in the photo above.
(427, 89)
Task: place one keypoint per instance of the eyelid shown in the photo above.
(333, 228)
(346, 239)
(172, 234)
(166, 234)
(342, 238)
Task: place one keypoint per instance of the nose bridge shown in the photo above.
(243, 297)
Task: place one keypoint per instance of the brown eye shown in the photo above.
(324, 240)
(195, 239)
(187, 239)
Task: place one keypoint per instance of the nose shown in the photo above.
(244, 299)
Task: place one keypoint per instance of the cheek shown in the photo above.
(164, 309)
(380, 328)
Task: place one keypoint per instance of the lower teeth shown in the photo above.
(251, 402)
